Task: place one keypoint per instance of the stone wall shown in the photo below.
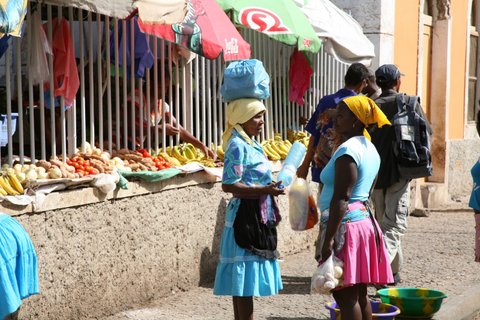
(98, 259)
(462, 155)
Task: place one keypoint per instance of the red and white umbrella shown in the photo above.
(205, 30)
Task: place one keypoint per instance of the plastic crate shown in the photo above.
(5, 133)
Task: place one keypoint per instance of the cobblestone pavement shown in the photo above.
(438, 254)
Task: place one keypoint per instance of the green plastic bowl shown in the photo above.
(414, 303)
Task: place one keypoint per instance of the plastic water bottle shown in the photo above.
(291, 164)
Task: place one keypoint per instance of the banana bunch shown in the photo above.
(295, 135)
(276, 149)
(10, 185)
(220, 152)
(184, 153)
(172, 160)
(207, 162)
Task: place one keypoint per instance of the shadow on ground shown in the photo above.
(295, 285)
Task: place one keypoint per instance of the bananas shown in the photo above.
(15, 183)
(293, 135)
(184, 153)
(220, 153)
(8, 184)
(276, 148)
(172, 160)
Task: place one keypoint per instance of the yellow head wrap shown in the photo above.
(367, 111)
(240, 111)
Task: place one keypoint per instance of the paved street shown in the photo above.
(438, 254)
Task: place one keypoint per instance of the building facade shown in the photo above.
(435, 44)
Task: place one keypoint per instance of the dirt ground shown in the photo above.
(438, 252)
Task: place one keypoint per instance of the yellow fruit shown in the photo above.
(4, 183)
(189, 153)
(283, 146)
(272, 154)
(15, 183)
(3, 192)
(277, 149)
(220, 152)
(177, 153)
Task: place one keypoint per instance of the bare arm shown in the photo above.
(302, 171)
(240, 188)
(346, 175)
(186, 136)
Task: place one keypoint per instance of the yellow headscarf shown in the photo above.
(367, 111)
(240, 111)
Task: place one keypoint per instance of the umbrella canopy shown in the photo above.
(12, 13)
(205, 30)
(159, 11)
(281, 20)
(342, 36)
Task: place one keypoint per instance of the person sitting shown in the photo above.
(152, 121)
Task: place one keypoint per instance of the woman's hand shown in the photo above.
(208, 152)
(273, 189)
(171, 130)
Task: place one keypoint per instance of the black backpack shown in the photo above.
(413, 138)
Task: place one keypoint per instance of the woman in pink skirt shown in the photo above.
(349, 228)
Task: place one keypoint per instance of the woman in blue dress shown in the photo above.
(18, 267)
(474, 202)
(243, 270)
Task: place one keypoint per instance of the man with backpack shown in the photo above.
(391, 194)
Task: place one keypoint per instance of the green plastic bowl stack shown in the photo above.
(414, 303)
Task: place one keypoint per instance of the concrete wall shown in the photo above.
(463, 155)
(377, 19)
(98, 259)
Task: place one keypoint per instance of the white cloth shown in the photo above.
(341, 34)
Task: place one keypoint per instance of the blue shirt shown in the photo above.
(366, 157)
(327, 102)
(245, 163)
(474, 202)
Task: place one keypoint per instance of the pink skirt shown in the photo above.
(364, 261)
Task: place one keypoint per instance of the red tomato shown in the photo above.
(94, 171)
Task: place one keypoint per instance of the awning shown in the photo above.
(342, 35)
(168, 11)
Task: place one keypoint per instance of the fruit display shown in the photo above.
(10, 184)
(294, 135)
(138, 160)
(276, 148)
(186, 153)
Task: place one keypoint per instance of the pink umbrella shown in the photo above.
(205, 30)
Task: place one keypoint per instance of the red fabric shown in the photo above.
(299, 74)
(65, 73)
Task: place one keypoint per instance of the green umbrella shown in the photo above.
(281, 20)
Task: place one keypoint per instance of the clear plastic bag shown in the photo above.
(303, 214)
(328, 276)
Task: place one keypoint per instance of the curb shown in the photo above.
(461, 306)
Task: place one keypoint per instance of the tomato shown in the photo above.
(94, 171)
(87, 168)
